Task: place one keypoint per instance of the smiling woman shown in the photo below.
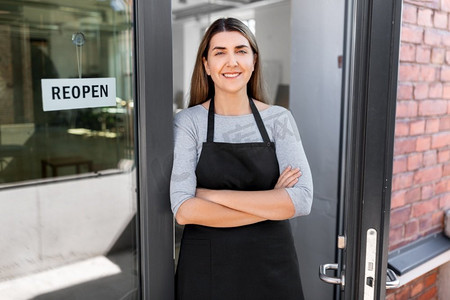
(235, 192)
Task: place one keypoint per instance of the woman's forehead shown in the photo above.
(228, 39)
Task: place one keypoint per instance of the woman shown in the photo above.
(226, 186)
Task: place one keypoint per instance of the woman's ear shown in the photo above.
(205, 64)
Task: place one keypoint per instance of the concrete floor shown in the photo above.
(100, 278)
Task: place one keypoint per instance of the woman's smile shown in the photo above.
(231, 75)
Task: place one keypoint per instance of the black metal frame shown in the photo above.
(372, 89)
(371, 82)
(153, 94)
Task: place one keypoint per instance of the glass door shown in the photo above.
(68, 198)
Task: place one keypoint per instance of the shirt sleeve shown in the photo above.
(290, 152)
(183, 180)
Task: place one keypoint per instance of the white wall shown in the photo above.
(273, 34)
(47, 225)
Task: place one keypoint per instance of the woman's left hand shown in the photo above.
(288, 178)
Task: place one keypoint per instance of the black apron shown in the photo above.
(251, 262)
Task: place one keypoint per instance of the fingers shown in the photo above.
(288, 177)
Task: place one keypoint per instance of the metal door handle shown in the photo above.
(392, 281)
(328, 279)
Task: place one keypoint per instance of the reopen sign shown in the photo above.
(73, 93)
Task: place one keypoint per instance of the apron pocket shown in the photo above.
(193, 278)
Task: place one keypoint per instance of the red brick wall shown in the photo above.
(422, 288)
(421, 180)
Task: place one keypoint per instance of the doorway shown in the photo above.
(301, 46)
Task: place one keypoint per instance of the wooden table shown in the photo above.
(66, 161)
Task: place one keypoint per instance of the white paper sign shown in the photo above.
(73, 93)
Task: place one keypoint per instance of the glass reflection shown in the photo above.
(62, 238)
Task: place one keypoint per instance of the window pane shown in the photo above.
(67, 177)
(37, 44)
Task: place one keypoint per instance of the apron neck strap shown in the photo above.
(256, 115)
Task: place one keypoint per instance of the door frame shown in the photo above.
(372, 44)
(154, 136)
(369, 75)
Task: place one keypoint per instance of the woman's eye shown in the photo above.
(218, 53)
(242, 51)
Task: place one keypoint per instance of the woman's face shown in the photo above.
(230, 62)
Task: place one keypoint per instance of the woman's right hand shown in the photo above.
(288, 178)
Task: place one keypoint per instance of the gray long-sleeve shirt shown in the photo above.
(190, 129)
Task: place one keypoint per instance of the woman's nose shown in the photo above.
(232, 62)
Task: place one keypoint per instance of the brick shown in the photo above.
(427, 174)
(425, 224)
(425, 17)
(415, 161)
(438, 56)
(445, 73)
(432, 126)
(435, 4)
(397, 199)
(432, 107)
(403, 294)
(400, 215)
(447, 56)
(440, 140)
(423, 54)
(429, 294)
(404, 92)
(395, 234)
(412, 195)
(435, 90)
(430, 279)
(428, 73)
(390, 297)
(417, 288)
(441, 187)
(443, 156)
(402, 181)
(412, 34)
(399, 165)
(407, 53)
(445, 5)
(433, 37)
(417, 127)
(423, 143)
(444, 203)
(420, 91)
(409, 72)
(446, 91)
(446, 170)
(409, 14)
(445, 38)
(405, 145)
(437, 219)
(427, 191)
(430, 158)
(444, 123)
(411, 228)
(440, 19)
(406, 109)
(401, 128)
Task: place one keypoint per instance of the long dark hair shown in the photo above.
(202, 86)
